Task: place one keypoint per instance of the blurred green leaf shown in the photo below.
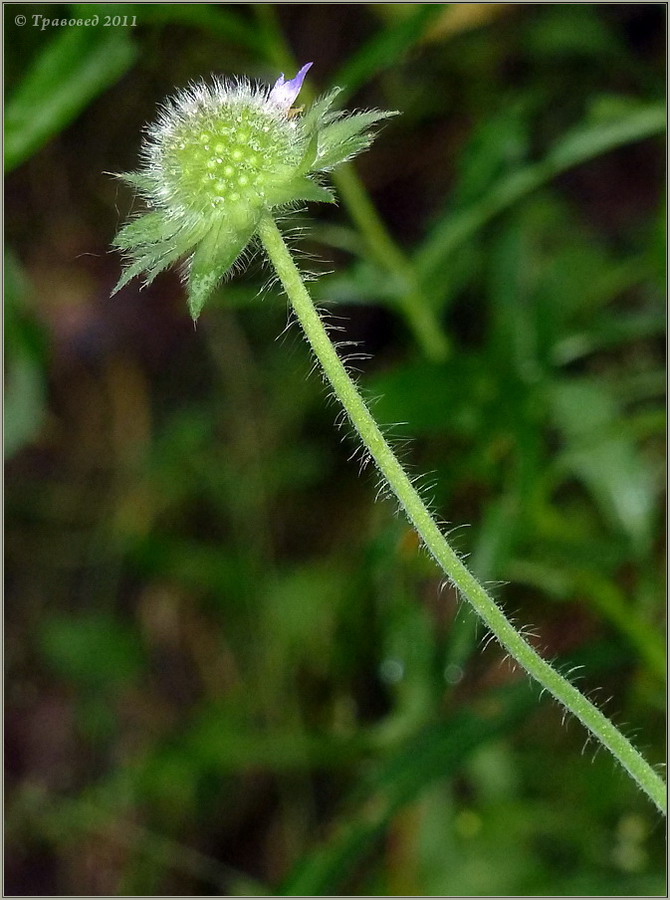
(437, 753)
(406, 655)
(583, 34)
(218, 18)
(600, 453)
(429, 398)
(513, 333)
(93, 649)
(497, 145)
(608, 332)
(24, 401)
(224, 744)
(71, 820)
(301, 609)
(75, 66)
(576, 580)
(626, 122)
(25, 362)
(586, 141)
(385, 49)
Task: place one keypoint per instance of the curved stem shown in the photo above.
(399, 482)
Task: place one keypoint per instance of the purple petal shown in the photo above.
(284, 92)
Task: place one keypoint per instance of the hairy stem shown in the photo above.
(398, 481)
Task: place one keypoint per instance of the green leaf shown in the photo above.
(25, 364)
(75, 66)
(600, 453)
(386, 48)
(432, 398)
(600, 135)
(498, 144)
(588, 140)
(437, 752)
(25, 401)
(92, 649)
(568, 577)
(583, 33)
(302, 608)
(217, 19)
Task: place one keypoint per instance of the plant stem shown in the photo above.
(397, 479)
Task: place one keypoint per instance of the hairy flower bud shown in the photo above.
(218, 158)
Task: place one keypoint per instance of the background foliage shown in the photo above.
(228, 670)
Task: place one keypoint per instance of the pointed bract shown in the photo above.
(346, 137)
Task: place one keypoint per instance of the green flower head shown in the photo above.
(218, 158)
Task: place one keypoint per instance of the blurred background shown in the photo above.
(228, 669)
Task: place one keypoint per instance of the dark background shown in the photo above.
(229, 670)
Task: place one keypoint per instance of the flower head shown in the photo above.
(217, 159)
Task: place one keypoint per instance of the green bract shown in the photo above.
(220, 156)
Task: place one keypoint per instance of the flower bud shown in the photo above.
(218, 158)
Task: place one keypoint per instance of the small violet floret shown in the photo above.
(285, 92)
